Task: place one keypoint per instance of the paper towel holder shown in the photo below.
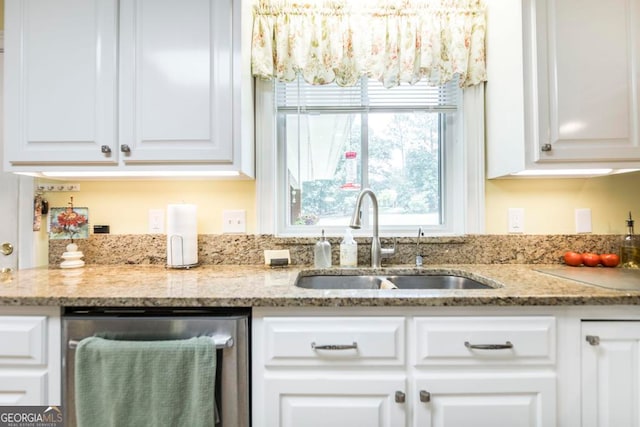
(170, 263)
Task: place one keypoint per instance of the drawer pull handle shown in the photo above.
(400, 397)
(425, 396)
(507, 345)
(353, 346)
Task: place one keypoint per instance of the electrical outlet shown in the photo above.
(516, 220)
(156, 221)
(234, 221)
(583, 220)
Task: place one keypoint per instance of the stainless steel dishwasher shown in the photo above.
(229, 328)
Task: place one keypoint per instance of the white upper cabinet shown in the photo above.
(566, 95)
(60, 81)
(128, 86)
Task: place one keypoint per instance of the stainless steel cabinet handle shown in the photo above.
(105, 149)
(504, 346)
(221, 342)
(400, 397)
(353, 346)
(125, 148)
(546, 147)
(593, 339)
(6, 248)
(425, 396)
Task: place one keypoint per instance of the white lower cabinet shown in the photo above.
(484, 371)
(333, 371)
(404, 370)
(486, 400)
(610, 373)
(29, 356)
(329, 399)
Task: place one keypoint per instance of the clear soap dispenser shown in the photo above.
(630, 248)
(322, 253)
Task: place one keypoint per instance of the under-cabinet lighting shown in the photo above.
(138, 174)
(564, 172)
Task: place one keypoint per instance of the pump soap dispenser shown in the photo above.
(348, 250)
(322, 253)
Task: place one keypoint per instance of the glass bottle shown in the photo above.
(322, 253)
(630, 248)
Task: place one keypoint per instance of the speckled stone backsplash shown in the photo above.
(248, 249)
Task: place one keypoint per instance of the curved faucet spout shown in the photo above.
(356, 218)
(376, 249)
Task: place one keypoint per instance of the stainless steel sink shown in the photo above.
(338, 282)
(439, 281)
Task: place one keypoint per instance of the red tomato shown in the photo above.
(573, 258)
(590, 259)
(610, 260)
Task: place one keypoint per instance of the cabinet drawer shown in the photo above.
(334, 341)
(481, 340)
(23, 388)
(23, 340)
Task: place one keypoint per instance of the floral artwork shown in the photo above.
(69, 223)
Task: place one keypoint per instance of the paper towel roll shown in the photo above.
(182, 235)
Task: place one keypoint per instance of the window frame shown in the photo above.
(463, 161)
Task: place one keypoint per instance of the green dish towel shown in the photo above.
(145, 383)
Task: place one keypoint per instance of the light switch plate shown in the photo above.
(234, 221)
(583, 220)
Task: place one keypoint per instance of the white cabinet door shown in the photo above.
(344, 401)
(9, 190)
(564, 92)
(133, 86)
(490, 400)
(61, 83)
(176, 102)
(30, 356)
(588, 94)
(610, 374)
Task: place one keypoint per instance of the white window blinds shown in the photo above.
(367, 95)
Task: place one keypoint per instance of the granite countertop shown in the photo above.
(259, 286)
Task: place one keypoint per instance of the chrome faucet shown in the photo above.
(377, 251)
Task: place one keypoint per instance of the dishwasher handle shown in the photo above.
(221, 342)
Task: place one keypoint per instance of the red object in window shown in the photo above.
(351, 169)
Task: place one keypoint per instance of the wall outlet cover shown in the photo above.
(583, 220)
(516, 220)
(156, 221)
(234, 221)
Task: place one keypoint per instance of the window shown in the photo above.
(404, 143)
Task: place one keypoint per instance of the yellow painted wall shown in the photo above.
(124, 205)
(549, 203)
(1, 15)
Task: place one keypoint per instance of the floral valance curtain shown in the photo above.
(393, 41)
